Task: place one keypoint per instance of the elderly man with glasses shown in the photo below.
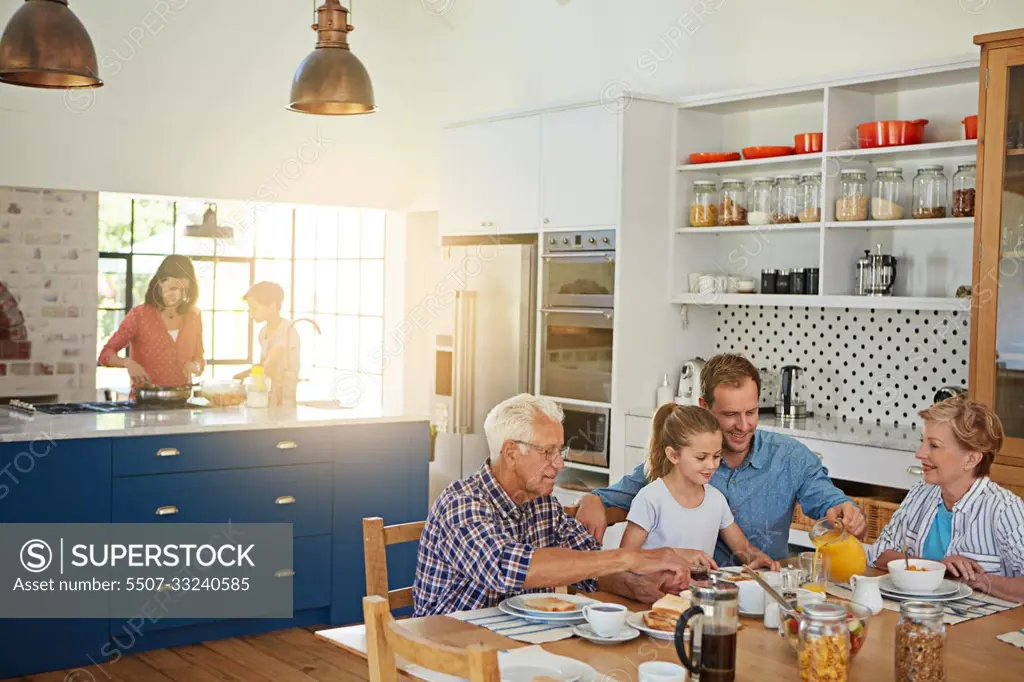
(499, 532)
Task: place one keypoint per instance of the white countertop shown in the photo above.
(837, 430)
(17, 427)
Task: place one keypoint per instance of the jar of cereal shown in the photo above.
(704, 206)
(887, 194)
(810, 197)
(760, 201)
(929, 192)
(920, 643)
(824, 643)
(732, 210)
(963, 191)
(852, 203)
(787, 199)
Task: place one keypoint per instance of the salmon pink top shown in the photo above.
(152, 346)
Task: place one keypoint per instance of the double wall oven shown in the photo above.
(576, 344)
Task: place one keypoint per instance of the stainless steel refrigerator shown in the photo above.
(486, 308)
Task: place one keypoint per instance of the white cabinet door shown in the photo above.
(580, 169)
(490, 177)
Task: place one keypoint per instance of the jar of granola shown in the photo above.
(704, 206)
(963, 191)
(810, 197)
(786, 199)
(852, 203)
(920, 643)
(732, 210)
(824, 643)
(929, 192)
(887, 194)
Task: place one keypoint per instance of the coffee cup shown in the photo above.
(751, 597)
(606, 620)
(659, 671)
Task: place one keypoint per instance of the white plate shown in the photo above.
(586, 632)
(636, 620)
(520, 603)
(526, 673)
(964, 592)
(945, 588)
(566, 618)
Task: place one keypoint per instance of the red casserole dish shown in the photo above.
(890, 133)
(767, 152)
(971, 127)
(807, 143)
(714, 157)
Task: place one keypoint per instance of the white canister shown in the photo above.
(257, 399)
(665, 393)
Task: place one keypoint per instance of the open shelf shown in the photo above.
(900, 224)
(910, 151)
(764, 229)
(587, 467)
(775, 162)
(812, 301)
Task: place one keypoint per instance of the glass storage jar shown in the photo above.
(852, 203)
(760, 201)
(732, 209)
(929, 192)
(787, 199)
(887, 194)
(810, 197)
(920, 643)
(704, 205)
(963, 191)
(824, 643)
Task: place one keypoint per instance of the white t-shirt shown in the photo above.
(669, 524)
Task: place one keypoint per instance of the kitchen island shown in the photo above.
(320, 470)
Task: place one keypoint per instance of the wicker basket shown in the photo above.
(877, 512)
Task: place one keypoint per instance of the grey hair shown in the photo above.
(513, 419)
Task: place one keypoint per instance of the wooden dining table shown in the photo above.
(973, 654)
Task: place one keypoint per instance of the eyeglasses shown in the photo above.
(550, 453)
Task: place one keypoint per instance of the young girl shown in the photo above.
(678, 508)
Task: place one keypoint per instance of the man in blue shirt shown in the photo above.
(763, 474)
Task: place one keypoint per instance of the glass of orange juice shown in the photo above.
(815, 567)
(846, 552)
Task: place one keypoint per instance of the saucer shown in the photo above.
(586, 632)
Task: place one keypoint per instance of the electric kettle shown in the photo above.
(689, 382)
(790, 399)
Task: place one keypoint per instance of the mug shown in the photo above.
(606, 620)
(658, 671)
(694, 281)
(751, 601)
(707, 284)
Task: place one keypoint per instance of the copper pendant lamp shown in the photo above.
(46, 46)
(332, 81)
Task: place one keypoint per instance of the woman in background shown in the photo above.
(164, 334)
(958, 515)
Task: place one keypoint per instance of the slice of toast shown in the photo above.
(662, 619)
(551, 604)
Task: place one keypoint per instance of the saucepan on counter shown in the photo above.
(163, 395)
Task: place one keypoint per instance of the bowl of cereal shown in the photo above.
(921, 577)
(856, 624)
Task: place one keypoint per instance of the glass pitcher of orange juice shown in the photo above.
(845, 551)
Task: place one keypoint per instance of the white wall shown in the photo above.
(194, 105)
(479, 56)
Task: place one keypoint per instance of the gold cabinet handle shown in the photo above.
(915, 471)
(166, 511)
(284, 573)
(287, 445)
(167, 452)
(285, 499)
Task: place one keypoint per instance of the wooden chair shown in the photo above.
(376, 538)
(612, 515)
(386, 639)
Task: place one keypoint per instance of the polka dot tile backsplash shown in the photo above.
(875, 366)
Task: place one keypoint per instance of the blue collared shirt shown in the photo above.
(762, 492)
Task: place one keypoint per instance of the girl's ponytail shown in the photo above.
(674, 426)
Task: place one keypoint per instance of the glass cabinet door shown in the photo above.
(999, 314)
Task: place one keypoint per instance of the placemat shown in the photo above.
(977, 605)
(515, 628)
(1015, 638)
(532, 656)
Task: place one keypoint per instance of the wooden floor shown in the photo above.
(294, 655)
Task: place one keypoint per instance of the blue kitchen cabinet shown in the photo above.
(64, 481)
(381, 470)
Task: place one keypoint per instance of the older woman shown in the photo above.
(957, 515)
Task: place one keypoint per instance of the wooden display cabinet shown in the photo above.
(997, 319)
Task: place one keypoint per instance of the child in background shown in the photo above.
(678, 508)
(279, 342)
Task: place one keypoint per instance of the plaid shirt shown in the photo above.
(476, 547)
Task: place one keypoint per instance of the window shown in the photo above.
(330, 262)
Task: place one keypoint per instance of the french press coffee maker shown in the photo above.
(713, 619)
(876, 273)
